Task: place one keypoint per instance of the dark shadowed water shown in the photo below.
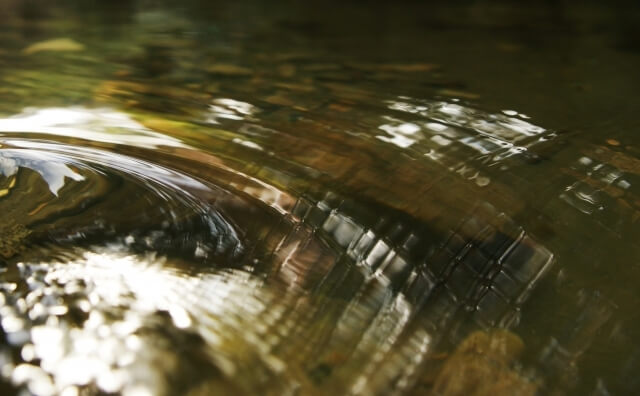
(310, 198)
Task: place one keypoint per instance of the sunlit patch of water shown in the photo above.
(115, 298)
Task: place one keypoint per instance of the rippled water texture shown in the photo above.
(319, 198)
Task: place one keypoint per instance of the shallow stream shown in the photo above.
(319, 198)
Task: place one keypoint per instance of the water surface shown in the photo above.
(343, 198)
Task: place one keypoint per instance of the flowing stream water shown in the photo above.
(202, 198)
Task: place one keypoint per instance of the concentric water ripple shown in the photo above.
(203, 199)
(72, 194)
(298, 293)
(241, 277)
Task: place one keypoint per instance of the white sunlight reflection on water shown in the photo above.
(104, 349)
(99, 124)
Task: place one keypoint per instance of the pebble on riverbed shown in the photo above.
(12, 237)
(482, 366)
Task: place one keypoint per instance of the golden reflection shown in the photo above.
(62, 44)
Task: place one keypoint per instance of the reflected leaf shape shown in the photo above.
(8, 166)
(51, 169)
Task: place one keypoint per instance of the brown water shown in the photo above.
(319, 198)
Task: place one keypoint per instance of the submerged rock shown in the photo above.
(482, 366)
